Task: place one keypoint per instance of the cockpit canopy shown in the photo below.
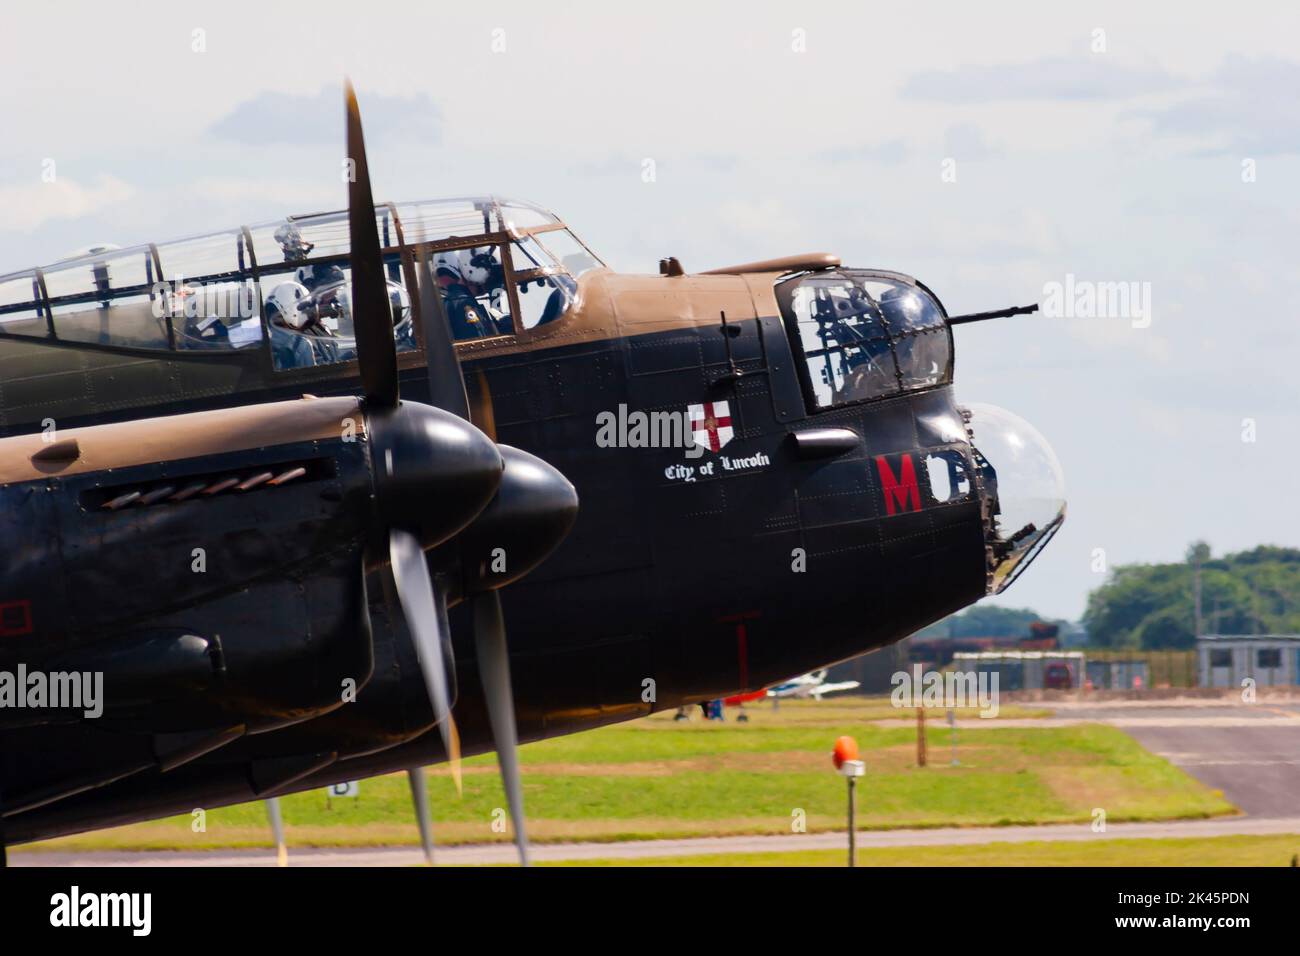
(514, 266)
(865, 335)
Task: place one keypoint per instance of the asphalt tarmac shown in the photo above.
(642, 849)
(1249, 751)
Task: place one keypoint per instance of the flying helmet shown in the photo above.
(480, 266)
(448, 263)
(290, 304)
(290, 239)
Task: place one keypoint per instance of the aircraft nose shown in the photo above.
(433, 471)
(1023, 487)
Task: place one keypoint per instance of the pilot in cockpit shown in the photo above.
(468, 318)
(290, 310)
(312, 275)
(486, 278)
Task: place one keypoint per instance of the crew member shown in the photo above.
(483, 273)
(467, 318)
(313, 276)
(289, 312)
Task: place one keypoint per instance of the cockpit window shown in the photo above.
(22, 311)
(286, 284)
(107, 298)
(572, 256)
(917, 329)
(474, 296)
(546, 290)
(527, 253)
(309, 313)
(213, 315)
(208, 292)
(545, 298)
(865, 336)
(947, 476)
(517, 215)
(306, 282)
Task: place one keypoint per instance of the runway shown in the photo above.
(645, 849)
(1249, 751)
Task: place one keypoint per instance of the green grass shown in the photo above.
(1203, 851)
(656, 778)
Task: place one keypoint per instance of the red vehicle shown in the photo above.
(1058, 677)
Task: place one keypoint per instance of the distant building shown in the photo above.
(1027, 670)
(875, 669)
(1119, 674)
(1225, 660)
(938, 651)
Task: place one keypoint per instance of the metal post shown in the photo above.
(277, 830)
(1196, 582)
(853, 855)
(845, 757)
(920, 736)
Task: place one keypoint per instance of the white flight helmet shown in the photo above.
(290, 302)
(448, 262)
(477, 265)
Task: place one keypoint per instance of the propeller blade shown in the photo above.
(277, 830)
(372, 313)
(419, 603)
(446, 384)
(494, 671)
(420, 796)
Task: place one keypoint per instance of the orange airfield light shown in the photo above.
(846, 748)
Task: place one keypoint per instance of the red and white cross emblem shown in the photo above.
(711, 424)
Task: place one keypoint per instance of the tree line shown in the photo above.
(1153, 606)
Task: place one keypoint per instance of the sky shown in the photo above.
(990, 151)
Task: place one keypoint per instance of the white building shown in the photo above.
(1225, 660)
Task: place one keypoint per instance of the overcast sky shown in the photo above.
(1164, 149)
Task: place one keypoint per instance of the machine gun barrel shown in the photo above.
(995, 314)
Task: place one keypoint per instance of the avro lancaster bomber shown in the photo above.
(339, 494)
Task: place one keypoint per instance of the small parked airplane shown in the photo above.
(810, 685)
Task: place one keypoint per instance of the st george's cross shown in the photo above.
(710, 424)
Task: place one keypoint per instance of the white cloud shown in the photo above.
(30, 206)
(1247, 107)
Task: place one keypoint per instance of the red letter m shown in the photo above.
(901, 494)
